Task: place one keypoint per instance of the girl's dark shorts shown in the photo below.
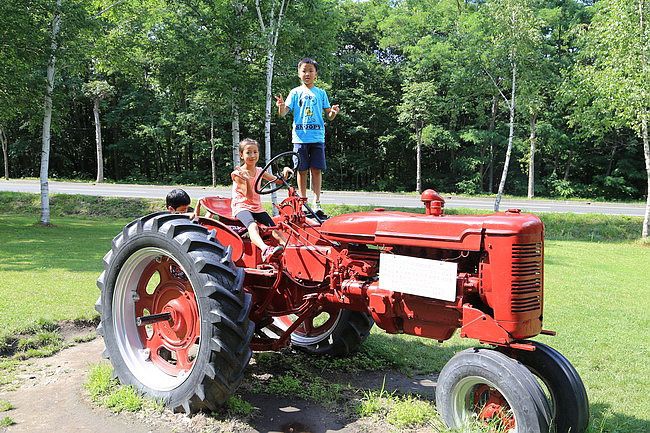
(247, 218)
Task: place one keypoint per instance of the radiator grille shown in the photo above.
(526, 277)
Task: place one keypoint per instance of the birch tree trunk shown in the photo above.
(47, 118)
(493, 119)
(98, 142)
(5, 151)
(213, 163)
(511, 135)
(418, 159)
(270, 63)
(531, 160)
(646, 152)
(234, 125)
(645, 232)
(271, 32)
(567, 167)
(270, 60)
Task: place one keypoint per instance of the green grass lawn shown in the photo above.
(597, 299)
(49, 273)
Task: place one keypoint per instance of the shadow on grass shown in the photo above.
(72, 244)
(604, 421)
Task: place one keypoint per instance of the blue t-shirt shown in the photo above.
(307, 106)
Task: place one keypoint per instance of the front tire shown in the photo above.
(486, 387)
(569, 401)
(174, 316)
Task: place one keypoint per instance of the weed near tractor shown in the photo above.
(107, 392)
(6, 421)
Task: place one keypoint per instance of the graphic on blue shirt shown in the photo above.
(307, 107)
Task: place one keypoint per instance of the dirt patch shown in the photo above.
(50, 397)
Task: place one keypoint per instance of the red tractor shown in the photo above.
(185, 302)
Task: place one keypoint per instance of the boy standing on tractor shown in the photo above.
(307, 102)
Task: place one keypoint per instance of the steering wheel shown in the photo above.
(277, 163)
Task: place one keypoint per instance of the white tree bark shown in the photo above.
(511, 135)
(270, 61)
(98, 142)
(47, 118)
(271, 32)
(239, 10)
(5, 151)
(646, 152)
(645, 232)
(418, 159)
(531, 159)
(234, 126)
(493, 118)
(213, 162)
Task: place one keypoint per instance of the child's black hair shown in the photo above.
(176, 198)
(308, 61)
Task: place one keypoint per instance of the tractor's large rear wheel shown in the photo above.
(567, 394)
(485, 387)
(174, 316)
(330, 331)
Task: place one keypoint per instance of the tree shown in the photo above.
(512, 34)
(616, 62)
(418, 110)
(270, 32)
(77, 15)
(97, 90)
(47, 115)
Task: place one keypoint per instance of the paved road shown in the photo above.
(332, 197)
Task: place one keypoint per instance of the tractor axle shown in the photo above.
(152, 318)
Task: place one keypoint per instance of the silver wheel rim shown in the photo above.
(461, 404)
(301, 340)
(127, 338)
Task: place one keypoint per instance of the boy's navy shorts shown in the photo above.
(247, 218)
(312, 155)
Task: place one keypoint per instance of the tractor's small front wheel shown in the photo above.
(565, 389)
(174, 316)
(485, 387)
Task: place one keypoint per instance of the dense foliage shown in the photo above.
(166, 75)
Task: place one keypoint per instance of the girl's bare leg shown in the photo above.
(254, 234)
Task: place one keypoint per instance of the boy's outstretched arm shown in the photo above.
(282, 107)
(333, 111)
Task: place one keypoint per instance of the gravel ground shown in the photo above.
(49, 396)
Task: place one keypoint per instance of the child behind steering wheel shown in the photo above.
(246, 202)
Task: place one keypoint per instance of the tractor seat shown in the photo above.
(219, 207)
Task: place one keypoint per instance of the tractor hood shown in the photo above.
(403, 228)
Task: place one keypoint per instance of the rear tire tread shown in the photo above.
(229, 335)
